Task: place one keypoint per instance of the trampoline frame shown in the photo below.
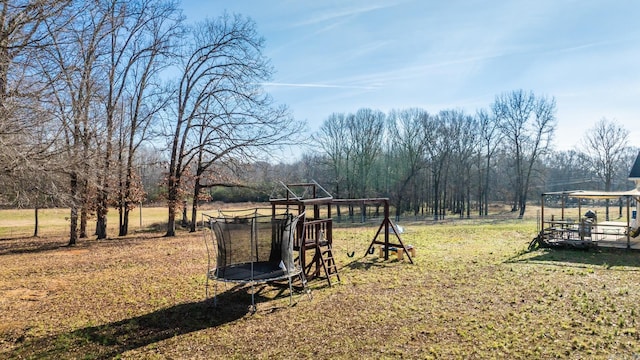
(252, 272)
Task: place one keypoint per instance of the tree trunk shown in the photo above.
(468, 200)
(83, 209)
(194, 205)
(83, 222)
(172, 200)
(73, 218)
(101, 227)
(523, 206)
(121, 230)
(123, 223)
(124, 229)
(128, 184)
(171, 223)
(185, 219)
(436, 197)
(194, 214)
(485, 192)
(35, 229)
(619, 208)
(398, 208)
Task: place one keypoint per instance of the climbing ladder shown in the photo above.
(329, 264)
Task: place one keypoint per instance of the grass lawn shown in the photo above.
(473, 292)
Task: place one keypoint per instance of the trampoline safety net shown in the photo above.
(251, 248)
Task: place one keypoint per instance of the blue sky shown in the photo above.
(339, 56)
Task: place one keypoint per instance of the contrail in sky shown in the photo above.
(320, 86)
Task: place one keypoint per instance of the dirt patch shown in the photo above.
(23, 294)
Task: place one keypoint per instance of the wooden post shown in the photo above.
(542, 213)
(386, 229)
(579, 209)
(629, 223)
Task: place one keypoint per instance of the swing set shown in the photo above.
(314, 243)
(385, 231)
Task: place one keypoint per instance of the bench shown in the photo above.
(398, 251)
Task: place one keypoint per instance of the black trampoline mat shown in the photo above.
(262, 271)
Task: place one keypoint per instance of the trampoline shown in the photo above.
(245, 247)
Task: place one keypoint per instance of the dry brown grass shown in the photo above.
(474, 292)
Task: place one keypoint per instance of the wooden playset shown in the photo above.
(315, 242)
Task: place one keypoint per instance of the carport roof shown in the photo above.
(635, 169)
(594, 194)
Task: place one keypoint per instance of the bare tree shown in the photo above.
(137, 45)
(528, 124)
(366, 130)
(235, 130)
(331, 139)
(490, 136)
(408, 147)
(604, 146)
(21, 37)
(463, 130)
(439, 155)
(26, 135)
(222, 70)
(72, 68)
(116, 19)
(145, 96)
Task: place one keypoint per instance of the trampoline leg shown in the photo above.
(215, 294)
(290, 292)
(253, 302)
(305, 287)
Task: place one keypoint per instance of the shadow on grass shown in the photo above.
(29, 245)
(609, 258)
(17, 238)
(33, 245)
(109, 340)
(365, 263)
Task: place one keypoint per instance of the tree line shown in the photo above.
(454, 163)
